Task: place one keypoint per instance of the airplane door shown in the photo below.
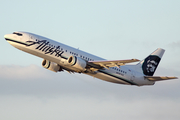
(132, 76)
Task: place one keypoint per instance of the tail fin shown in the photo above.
(150, 63)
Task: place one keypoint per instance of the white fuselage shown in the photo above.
(59, 53)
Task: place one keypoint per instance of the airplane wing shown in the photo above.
(109, 63)
(159, 78)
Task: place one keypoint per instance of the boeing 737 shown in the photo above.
(58, 57)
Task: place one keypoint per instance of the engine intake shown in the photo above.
(51, 66)
(77, 63)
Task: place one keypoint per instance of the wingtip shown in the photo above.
(135, 59)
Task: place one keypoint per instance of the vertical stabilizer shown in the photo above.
(150, 63)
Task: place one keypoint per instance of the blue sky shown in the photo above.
(113, 30)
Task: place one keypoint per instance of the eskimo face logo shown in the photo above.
(150, 64)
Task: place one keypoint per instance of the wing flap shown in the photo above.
(159, 78)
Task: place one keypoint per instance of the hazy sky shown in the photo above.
(113, 30)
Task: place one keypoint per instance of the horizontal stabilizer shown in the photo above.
(159, 78)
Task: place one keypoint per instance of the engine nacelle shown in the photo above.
(51, 66)
(77, 63)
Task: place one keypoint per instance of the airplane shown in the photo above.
(58, 57)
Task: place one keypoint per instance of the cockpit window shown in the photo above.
(19, 34)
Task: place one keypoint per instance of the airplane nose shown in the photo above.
(9, 38)
(6, 36)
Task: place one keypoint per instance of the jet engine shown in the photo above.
(77, 63)
(51, 66)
